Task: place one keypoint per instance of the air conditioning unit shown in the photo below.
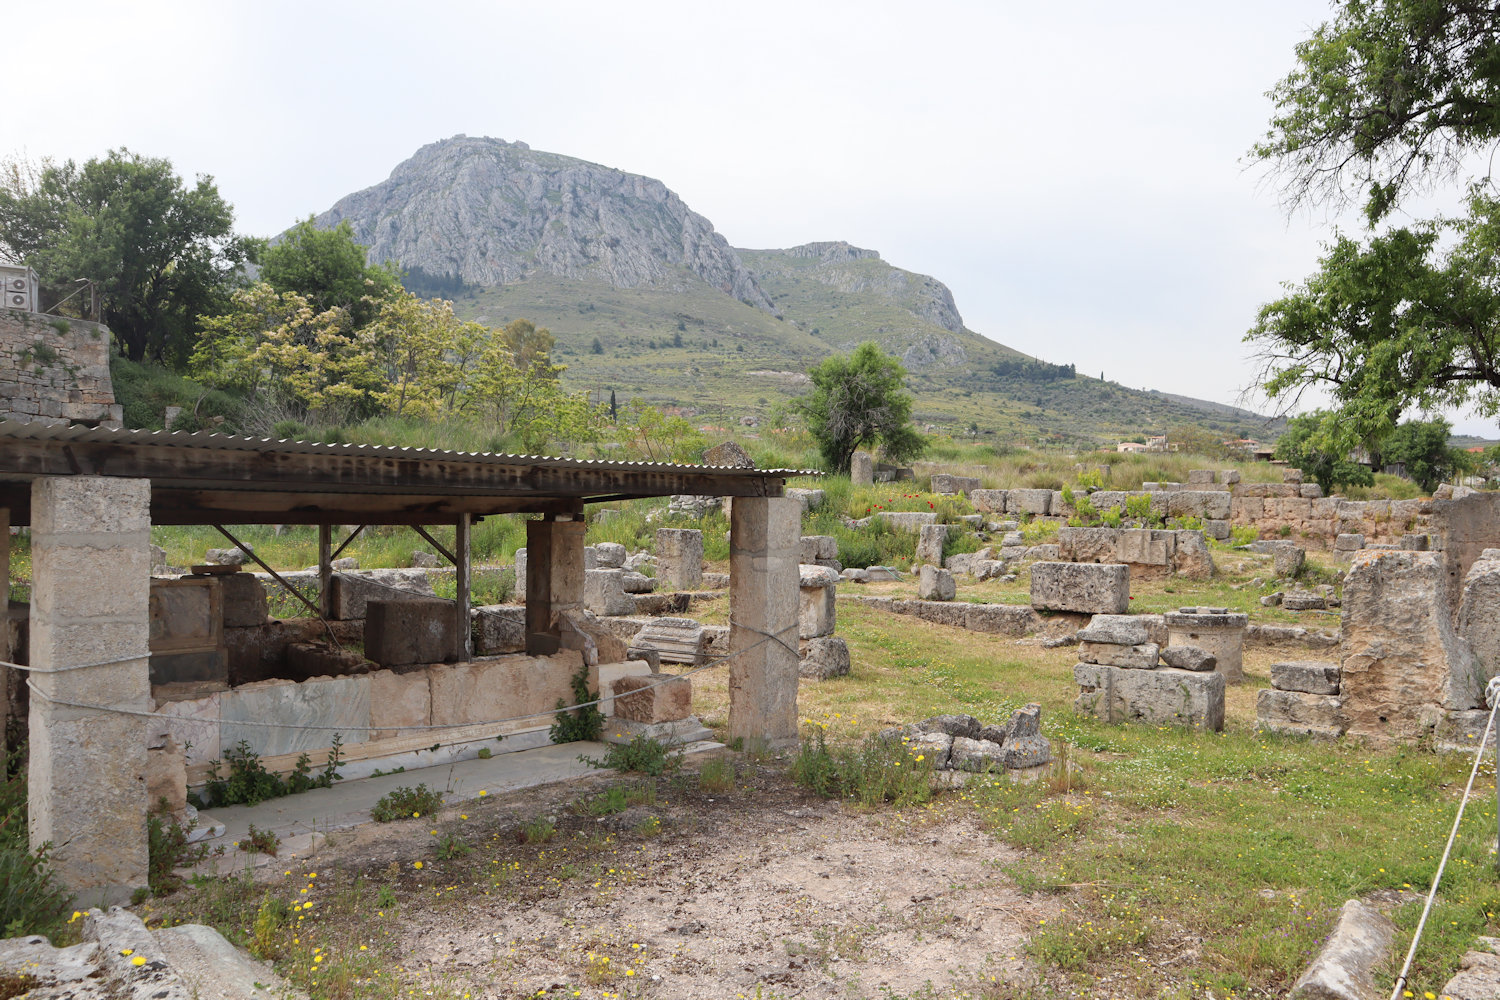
(20, 288)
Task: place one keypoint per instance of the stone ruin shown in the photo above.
(963, 743)
(1121, 679)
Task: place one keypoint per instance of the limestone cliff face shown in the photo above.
(496, 212)
(844, 268)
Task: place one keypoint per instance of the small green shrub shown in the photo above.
(580, 724)
(537, 831)
(716, 775)
(260, 841)
(248, 782)
(406, 803)
(450, 845)
(167, 849)
(642, 754)
(876, 771)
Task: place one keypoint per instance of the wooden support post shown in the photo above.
(461, 578)
(325, 570)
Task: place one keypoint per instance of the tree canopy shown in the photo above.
(1310, 443)
(328, 268)
(1422, 447)
(161, 254)
(856, 401)
(1387, 98)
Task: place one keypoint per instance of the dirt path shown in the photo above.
(704, 896)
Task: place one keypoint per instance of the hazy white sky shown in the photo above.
(1074, 172)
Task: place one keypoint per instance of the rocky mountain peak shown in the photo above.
(833, 252)
(494, 212)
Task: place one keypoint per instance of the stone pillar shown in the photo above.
(91, 574)
(5, 649)
(679, 556)
(1217, 630)
(764, 543)
(554, 578)
(862, 468)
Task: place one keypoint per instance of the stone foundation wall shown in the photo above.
(55, 371)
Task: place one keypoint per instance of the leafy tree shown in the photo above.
(859, 400)
(655, 436)
(426, 352)
(530, 346)
(1388, 97)
(1422, 446)
(1311, 443)
(327, 267)
(161, 254)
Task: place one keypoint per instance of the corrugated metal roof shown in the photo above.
(228, 442)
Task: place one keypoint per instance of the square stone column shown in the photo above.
(764, 547)
(90, 602)
(554, 578)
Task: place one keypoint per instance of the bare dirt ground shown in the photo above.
(760, 891)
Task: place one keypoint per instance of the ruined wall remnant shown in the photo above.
(55, 371)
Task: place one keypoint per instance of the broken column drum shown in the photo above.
(1217, 630)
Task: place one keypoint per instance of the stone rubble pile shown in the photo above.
(963, 743)
(1303, 700)
(1120, 678)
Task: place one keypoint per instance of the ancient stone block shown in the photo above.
(609, 555)
(930, 544)
(1215, 630)
(1162, 696)
(1300, 714)
(1141, 657)
(1004, 619)
(816, 609)
(341, 704)
(649, 699)
(1044, 553)
(499, 628)
(907, 520)
(1188, 658)
(809, 499)
(1028, 502)
(975, 755)
(679, 557)
(1403, 664)
(948, 613)
(1348, 542)
(1121, 630)
(504, 688)
(1147, 548)
(166, 776)
(862, 468)
(1102, 588)
(1311, 491)
(1088, 545)
(824, 658)
(764, 539)
(1229, 477)
(1479, 611)
(988, 501)
(350, 592)
(1200, 477)
(1201, 504)
(411, 631)
(935, 585)
(1191, 558)
(1304, 600)
(604, 592)
(398, 700)
(1287, 560)
(1307, 676)
(1291, 476)
(243, 600)
(320, 659)
(728, 455)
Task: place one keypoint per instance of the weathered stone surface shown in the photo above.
(1162, 696)
(809, 499)
(679, 557)
(1215, 630)
(988, 501)
(503, 688)
(952, 725)
(1102, 588)
(499, 628)
(398, 701)
(225, 557)
(1188, 658)
(728, 455)
(1310, 491)
(976, 755)
(651, 699)
(1028, 502)
(424, 560)
(1200, 477)
(1299, 713)
(1403, 664)
(765, 536)
(907, 520)
(881, 574)
(1360, 944)
(1147, 547)
(1478, 977)
(1348, 542)
(1122, 630)
(351, 592)
(824, 657)
(609, 555)
(950, 485)
(862, 468)
(417, 630)
(942, 612)
(604, 592)
(678, 640)
(638, 583)
(1141, 657)
(930, 544)
(816, 547)
(1287, 560)
(936, 747)
(1479, 611)
(1202, 504)
(1192, 558)
(1308, 676)
(936, 585)
(1289, 475)
(243, 600)
(340, 703)
(817, 613)
(1004, 619)
(1303, 600)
